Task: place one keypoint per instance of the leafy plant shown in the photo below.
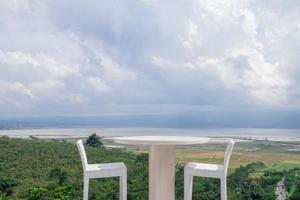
(6, 186)
(61, 176)
(4, 198)
(38, 193)
(62, 193)
(94, 141)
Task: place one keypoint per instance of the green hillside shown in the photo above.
(51, 169)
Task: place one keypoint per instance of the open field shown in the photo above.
(276, 160)
(274, 154)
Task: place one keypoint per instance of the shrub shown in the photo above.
(37, 193)
(6, 186)
(94, 141)
(61, 176)
(4, 198)
(62, 193)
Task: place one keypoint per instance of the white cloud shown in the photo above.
(14, 61)
(234, 52)
(148, 52)
(97, 84)
(44, 66)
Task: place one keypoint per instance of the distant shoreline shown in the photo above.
(276, 135)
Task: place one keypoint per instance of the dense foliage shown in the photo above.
(94, 141)
(48, 170)
(292, 182)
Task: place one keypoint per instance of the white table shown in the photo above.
(162, 161)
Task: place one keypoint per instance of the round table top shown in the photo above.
(161, 140)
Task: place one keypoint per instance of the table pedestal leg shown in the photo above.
(162, 172)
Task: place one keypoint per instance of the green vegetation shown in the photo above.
(292, 182)
(94, 141)
(6, 186)
(60, 175)
(51, 169)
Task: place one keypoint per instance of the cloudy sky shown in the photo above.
(99, 57)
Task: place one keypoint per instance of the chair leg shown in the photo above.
(86, 189)
(123, 187)
(223, 189)
(188, 186)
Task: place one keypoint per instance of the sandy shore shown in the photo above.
(276, 135)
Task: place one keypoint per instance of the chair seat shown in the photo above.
(105, 170)
(205, 170)
(204, 166)
(106, 166)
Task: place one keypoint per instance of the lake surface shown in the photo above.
(250, 133)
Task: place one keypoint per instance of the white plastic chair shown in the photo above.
(102, 171)
(207, 170)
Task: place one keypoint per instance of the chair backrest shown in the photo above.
(82, 153)
(228, 154)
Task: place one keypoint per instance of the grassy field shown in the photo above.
(279, 161)
(274, 154)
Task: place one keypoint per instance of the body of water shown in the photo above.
(246, 133)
